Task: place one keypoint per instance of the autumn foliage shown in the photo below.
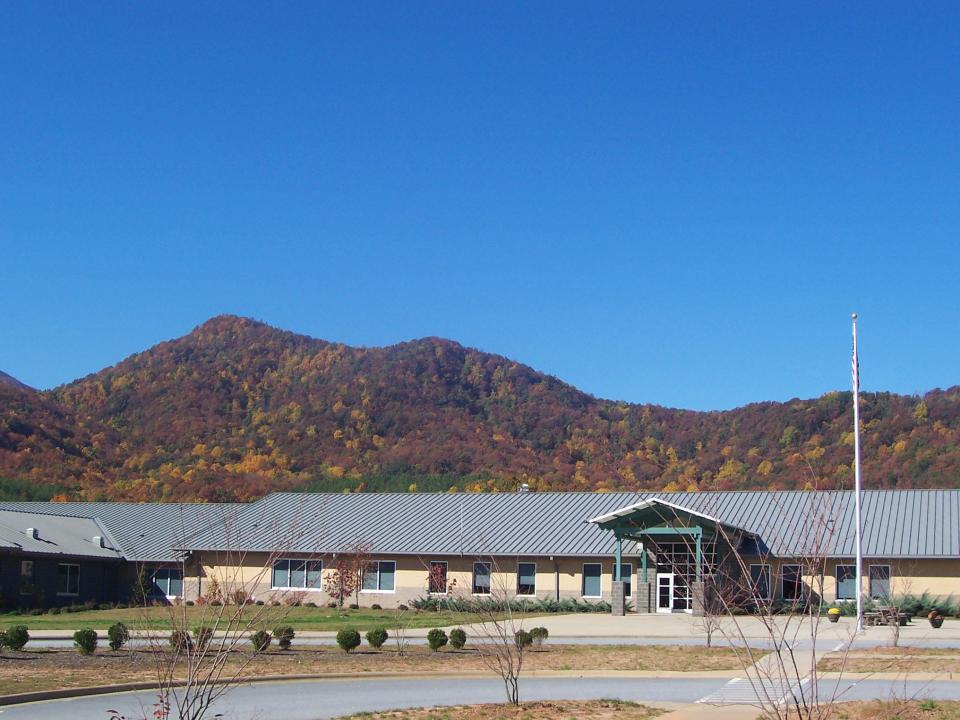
(237, 409)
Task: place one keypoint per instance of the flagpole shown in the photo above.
(856, 460)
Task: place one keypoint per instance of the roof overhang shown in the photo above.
(636, 517)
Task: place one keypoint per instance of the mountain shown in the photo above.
(236, 409)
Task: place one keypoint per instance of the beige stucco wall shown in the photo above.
(940, 577)
(561, 577)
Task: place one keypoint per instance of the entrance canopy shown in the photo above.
(654, 518)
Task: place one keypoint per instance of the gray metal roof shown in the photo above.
(897, 523)
(56, 535)
(142, 531)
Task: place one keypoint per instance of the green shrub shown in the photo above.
(376, 606)
(377, 637)
(118, 635)
(538, 635)
(202, 635)
(105, 606)
(458, 638)
(436, 639)
(16, 637)
(348, 640)
(284, 635)
(36, 611)
(261, 640)
(85, 641)
(53, 611)
(354, 606)
(180, 641)
(523, 639)
(189, 603)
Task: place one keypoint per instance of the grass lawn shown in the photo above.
(46, 669)
(550, 710)
(897, 710)
(301, 618)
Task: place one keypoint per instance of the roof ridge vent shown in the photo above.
(32, 532)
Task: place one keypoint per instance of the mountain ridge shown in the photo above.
(237, 408)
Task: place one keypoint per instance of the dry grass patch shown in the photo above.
(897, 710)
(551, 710)
(32, 670)
(895, 659)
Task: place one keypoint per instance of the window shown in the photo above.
(626, 574)
(68, 579)
(791, 576)
(379, 576)
(481, 578)
(526, 578)
(846, 582)
(591, 580)
(760, 581)
(26, 577)
(880, 581)
(168, 582)
(291, 573)
(438, 577)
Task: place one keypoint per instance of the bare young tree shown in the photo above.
(738, 594)
(212, 644)
(503, 641)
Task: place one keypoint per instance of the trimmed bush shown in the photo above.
(377, 637)
(16, 637)
(436, 639)
(284, 636)
(189, 603)
(354, 606)
(348, 640)
(523, 639)
(376, 606)
(36, 611)
(202, 635)
(458, 638)
(261, 640)
(53, 611)
(538, 635)
(181, 641)
(85, 641)
(118, 634)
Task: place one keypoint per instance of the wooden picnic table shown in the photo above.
(886, 615)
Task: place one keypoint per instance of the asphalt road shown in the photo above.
(313, 700)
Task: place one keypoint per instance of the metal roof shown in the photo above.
(142, 531)
(56, 535)
(897, 523)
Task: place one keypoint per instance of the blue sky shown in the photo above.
(677, 203)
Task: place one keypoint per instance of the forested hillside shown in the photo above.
(237, 409)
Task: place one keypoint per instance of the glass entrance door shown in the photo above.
(664, 592)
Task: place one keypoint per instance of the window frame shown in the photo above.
(306, 574)
(473, 579)
(583, 580)
(889, 579)
(379, 590)
(67, 592)
(836, 580)
(166, 591)
(531, 594)
(446, 578)
(26, 577)
(783, 581)
(755, 583)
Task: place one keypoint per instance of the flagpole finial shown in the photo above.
(853, 316)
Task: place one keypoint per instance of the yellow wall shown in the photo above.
(251, 574)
